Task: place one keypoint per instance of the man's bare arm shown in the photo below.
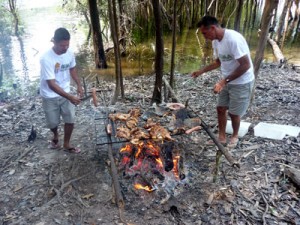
(216, 64)
(57, 89)
(76, 79)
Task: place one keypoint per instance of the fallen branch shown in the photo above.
(114, 173)
(294, 174)
(267, 208)
(277, 52)
(57, 191)
(18, 159)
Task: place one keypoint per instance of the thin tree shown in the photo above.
(267, 15)
(281, 21)
(174, 25)
(114, 32)
(99, 57)
(237, 20)
(14, 11)
(159, 52)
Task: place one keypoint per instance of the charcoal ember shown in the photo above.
(182, 114)
(167, 150)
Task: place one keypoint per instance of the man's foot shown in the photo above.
(212, 143)
(72, 150)
(233, 142)
(53, 144)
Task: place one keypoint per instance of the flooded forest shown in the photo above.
(145, 127)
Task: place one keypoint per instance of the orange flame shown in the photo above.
(146, 188)
(139, 151)
(175, 168)
(126, 148)
(159, 162)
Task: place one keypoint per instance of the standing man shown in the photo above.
(232, 54)
(57, 68)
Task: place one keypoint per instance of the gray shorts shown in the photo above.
(56, 107)
(236, 97)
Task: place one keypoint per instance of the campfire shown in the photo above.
(148, 163)
(150, 157)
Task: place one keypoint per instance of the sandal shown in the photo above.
(212, 143)
(233, 143)
(53, 144)
(73, 150)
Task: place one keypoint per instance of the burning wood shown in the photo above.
(149, 162)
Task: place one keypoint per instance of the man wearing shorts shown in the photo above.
(57, 68)
(232, 54)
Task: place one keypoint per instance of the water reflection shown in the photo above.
(20, 56)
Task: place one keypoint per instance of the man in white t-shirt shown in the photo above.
(57, 67)
(232, 54)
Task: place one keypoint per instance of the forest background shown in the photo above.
(148, 37)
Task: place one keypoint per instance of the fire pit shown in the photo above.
(148, 157)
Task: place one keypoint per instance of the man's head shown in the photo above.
(61, 40)
(210, 28)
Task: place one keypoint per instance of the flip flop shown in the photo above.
(233, 143)
(53, 144)
(212, 143)
(73, 150)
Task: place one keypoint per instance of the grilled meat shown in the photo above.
(160, 133)
(119, 116)
(136, 112)
(131, 122)
(137, 133)
(150, 123)
(123, 132)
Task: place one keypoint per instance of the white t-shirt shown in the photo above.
(232, 47)
(56, 67)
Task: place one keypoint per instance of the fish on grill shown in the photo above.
(135, 112)
(131, 122)
(119, 116)
(150, 123)
(123, 132)
(160, 133)
(137, 133)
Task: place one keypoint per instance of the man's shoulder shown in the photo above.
(233, 33)
(47, 54)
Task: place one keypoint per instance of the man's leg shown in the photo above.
(68, 129)
(222, 120)
(235, 122)
(55, 135)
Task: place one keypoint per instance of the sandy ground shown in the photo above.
(40, 186)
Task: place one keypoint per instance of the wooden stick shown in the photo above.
(114, 174)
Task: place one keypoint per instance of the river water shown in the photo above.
(40, 18)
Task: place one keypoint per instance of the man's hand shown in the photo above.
(74, 99)
(80, 91)
(219, 86)
(197, 73)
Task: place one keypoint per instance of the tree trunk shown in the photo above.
(238, 16)
(100, 60)
(286, 23)
(270, 5)
(118, 53)
(159, 52)
(281, 21)
(172, 79)
(254, 13)
(276, 51)
(114, 33)
(13, 11)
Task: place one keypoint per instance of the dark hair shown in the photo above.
(61, 34)
(207, 21)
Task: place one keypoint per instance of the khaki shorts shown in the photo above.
(236, 97)
(56, 107)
